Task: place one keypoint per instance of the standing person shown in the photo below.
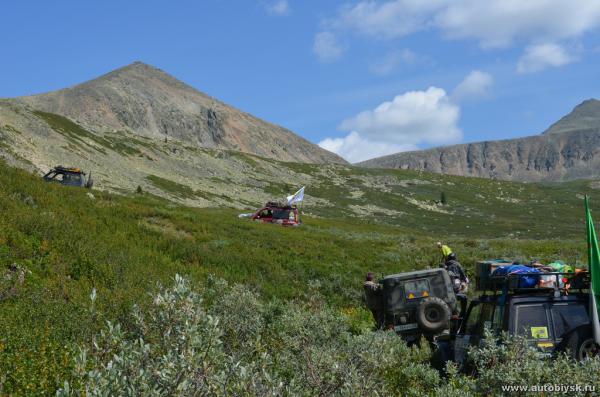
(373, 298)
(453, 265)
(445, 250)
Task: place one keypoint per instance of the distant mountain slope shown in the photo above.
(569, 149)
(585, 116)
(147, 102)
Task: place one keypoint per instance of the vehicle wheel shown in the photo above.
(580, 344)
(433, 315)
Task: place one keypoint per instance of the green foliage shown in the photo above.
(169, 186)
(68, 244)
(443, 198)
(226, 340)
(80, 137)
(76, 133)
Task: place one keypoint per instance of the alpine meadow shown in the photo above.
(300, 198)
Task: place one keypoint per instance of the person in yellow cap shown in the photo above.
(446, 251)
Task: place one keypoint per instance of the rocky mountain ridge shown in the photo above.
(147, 102)
(569, 149)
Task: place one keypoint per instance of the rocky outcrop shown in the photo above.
(569, 149)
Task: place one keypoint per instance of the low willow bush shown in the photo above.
(224, 340)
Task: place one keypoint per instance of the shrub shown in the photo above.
(225, 340)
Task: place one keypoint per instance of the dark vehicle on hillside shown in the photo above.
(69, 176)
(416, 304)
(278, 213)
(553, 319)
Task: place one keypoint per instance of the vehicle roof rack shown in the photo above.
(277, 204)
(539, 281)
(69, 169)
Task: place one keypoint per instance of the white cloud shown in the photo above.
(355, 148)
(388, 19)
(542, 56)
(392, 61)
(494, 23)
(278, 7)
(327, 47)
(497, 23)
(410, 119)
(477, 84)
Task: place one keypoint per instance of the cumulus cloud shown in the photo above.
(494, 23)
(542, 56)
(392, 61)
(327, 47)
(355, 148)
(278, 7)
(476, 85)
(410, 119)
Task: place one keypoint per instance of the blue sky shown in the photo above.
(363, 78)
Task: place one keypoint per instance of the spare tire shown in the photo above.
(433, 315)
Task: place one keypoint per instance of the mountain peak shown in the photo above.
(149, 102)
(139, 71)
(585, 116)
(138, 66)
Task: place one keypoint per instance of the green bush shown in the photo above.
(225, 340)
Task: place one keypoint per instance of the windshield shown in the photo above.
(281, 214)
(72, 179)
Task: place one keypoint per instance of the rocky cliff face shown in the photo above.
(147, 102)
(569, 149)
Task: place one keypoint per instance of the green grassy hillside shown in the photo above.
(58, 243)
(121, 161)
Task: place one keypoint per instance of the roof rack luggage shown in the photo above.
(536, 280)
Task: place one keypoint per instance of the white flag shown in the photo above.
(296, 197)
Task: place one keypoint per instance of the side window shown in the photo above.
(473, 319)
(531, 321)
(487, 317)
(394, 298)
(481, 317)
(567, 317)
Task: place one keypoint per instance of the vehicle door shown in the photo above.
(480, 316)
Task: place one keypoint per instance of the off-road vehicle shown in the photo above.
(279, 213)
(554, 319)
(416, 304)
(69, 176)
